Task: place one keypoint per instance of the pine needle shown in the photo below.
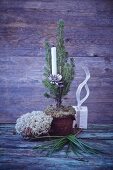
(75, 145)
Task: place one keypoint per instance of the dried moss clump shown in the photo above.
(63, 111)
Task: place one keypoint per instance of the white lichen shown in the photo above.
(33, 124)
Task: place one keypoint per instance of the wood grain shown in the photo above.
(17, 153)
(24, 26)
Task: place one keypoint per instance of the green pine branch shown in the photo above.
(65, 67)
(71, 142)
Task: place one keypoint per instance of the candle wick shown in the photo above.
(53, 46)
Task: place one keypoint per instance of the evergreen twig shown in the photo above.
(73, 144)
(65, 67)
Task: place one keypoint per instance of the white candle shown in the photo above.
(81, 116)
(54, 61)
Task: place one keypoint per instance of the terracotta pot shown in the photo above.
(62, 126)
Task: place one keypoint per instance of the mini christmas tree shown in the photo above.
(58, 85)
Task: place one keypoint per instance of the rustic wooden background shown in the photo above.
(24, 26)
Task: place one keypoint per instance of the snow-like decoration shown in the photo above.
(33, 124)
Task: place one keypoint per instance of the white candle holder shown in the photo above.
(82, 111)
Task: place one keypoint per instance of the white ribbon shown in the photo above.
(84, 83)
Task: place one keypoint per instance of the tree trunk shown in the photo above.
(58, 102)
(59, 97)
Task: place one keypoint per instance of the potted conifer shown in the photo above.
(36, 125)
(58, 80)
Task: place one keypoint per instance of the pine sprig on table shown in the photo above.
(71, 141)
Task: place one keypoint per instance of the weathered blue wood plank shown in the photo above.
(56, 163)
(88, 35)
(16, 153)
(22, 89)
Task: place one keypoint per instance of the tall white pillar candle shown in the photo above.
(54, 61)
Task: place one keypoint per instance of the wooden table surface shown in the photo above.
(17, 153)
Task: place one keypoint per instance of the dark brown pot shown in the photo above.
(62, 126)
